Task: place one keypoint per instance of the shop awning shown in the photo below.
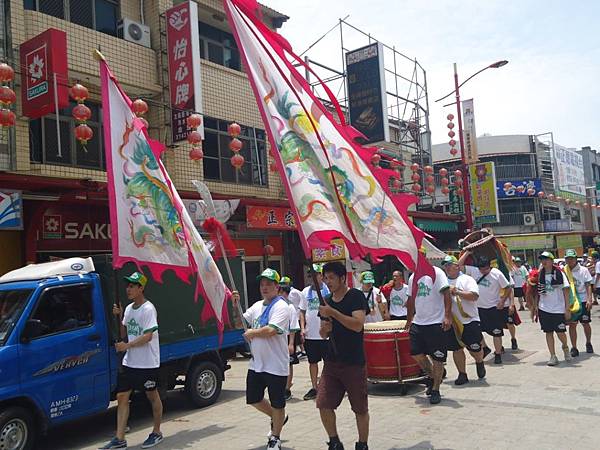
(443, 226)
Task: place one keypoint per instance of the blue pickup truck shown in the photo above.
(57, 335)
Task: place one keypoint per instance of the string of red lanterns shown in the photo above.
(139, 108)
(194, 121)
(235, 145)
(81, 113)
(7, 96)
(451, 134)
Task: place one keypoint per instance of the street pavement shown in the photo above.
(522, 404)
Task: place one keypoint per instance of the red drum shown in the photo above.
(387, 350)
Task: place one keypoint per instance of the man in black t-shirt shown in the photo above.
(342, 320)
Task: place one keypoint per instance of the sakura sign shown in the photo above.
(183, 44)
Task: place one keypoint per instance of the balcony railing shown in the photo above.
(515, 172)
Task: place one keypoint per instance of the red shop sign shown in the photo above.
(44, 58)
(183, 45)
(270, 218)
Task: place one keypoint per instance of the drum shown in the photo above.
(387, 350)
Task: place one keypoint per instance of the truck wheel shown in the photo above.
(17, 429)
(203, 383)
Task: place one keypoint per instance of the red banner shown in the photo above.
(44, 58)
(267, 218)
(183, 45)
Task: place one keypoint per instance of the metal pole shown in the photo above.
(57, 114)
(463, 156)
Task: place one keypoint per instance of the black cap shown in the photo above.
(482, 261)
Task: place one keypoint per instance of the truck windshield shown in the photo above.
(12, 303)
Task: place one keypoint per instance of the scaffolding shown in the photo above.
(406, 89)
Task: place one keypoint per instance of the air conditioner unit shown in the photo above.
(529, 219)
(134, 32)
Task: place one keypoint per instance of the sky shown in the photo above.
(552, 81)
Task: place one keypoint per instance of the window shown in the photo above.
(43, 141)
(12, 304)
(64, 309)
(100, 15)
(217, 155)
(219, 47)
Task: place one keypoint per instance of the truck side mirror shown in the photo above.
(33, 329)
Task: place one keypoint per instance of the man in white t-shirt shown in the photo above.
(269, 323)
(294, 297)
(141, 363)
(583, 284)
(310, 324)
(552, 307)
(375, 300)
(398, 297)
(596, 263)
(519, 275)
(492, 302)
(430, 324)
(464, 292)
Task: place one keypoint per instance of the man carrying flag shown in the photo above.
(582, 280)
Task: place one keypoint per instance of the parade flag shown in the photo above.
(333, 188)
(150, 225)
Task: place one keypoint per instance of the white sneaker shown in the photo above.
(567, 353)
(553, 361)
(274, 444)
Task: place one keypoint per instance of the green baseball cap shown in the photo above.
(548, 255)
(285, 281)
(570, 253)
(449, 259)
(318, 268)
(517, 259)
(269, 274)
(137, 278)
(367, 277)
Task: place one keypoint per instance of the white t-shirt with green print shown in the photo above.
(270, 354)
(429, 298)
(138, 321)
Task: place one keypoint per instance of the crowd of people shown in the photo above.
(449, 312)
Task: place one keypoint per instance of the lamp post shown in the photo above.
(463, 156)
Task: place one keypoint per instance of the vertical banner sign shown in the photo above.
(183, 45)
(569, 167)
(43, 58)
(366, 92)
(470, 134)
(483, 193)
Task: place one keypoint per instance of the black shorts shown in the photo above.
(519, 292)
(257, 382)
(550, 322)
(430, 340)
(493, 320)
(130, 379)
(586, 317)
(471, 338)
(316, 350)
(398, 318)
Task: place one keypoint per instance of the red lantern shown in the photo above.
(450, 117)
(235, 145)
(460, 192)
(237, 161)
(415, 176)
(507, 185)
(6, 73)
(444, 181)
(458, 182)
(414, 167)
(428, 169)
(445, 190)
(531, 192)
(451, 133)
(194, 121)
(268, 249)
(453, 151)
(81, 113)
(234, 129)
(443, 172)
(196, 153)
(397, 183)
(458, 174)
(7, 118)
(140, 107)
(430, 188)
(451, 125)
(376, 159)
(194, 137)
(429, 179)
(79, 93)
(83, 133)
(416, 188)
(452, 143)
(541, 194)
(7, 95)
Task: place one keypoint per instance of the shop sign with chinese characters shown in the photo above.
(183, 44)
(270, 218)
